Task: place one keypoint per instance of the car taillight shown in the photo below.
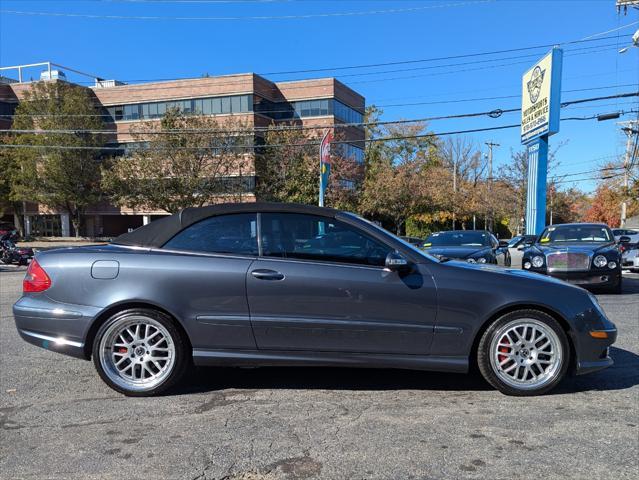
(36, 279)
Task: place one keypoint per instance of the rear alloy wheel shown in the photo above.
(140, 352)
(524, 353)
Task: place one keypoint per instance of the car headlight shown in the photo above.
(538, 261)
(471, 260)
(600, 261)
(612, 265)
(527, 265)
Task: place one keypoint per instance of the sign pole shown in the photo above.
(537, 176)
(324, 164)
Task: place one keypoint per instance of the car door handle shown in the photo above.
(263, 274)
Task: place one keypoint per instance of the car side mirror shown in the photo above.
(624, 239)
(521, 247)
(395, 262)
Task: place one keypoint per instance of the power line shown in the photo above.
(305, 144)
(245, 18)
(581, 51)
(576, 180)
(576, 174)
(437, 59)
(363, 123)
(140, 87)
(492, 113)
(464, 100)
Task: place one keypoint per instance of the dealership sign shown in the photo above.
(541, 97)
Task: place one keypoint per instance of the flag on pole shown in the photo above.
(325, 164)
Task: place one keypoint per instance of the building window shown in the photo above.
(346, 150)
(308, 108)
(347, 184)
(201, 106)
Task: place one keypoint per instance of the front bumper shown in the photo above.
(594, 353)
(590, 278)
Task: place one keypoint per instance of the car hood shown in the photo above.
(574, 248)
(511, 272)
(456, 252)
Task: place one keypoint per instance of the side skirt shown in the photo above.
(264, 358)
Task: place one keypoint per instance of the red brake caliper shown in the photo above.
(122, 350)
(501, 358)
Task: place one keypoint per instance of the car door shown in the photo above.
(320, 284)
(203, 269)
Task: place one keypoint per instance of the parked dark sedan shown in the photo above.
(581, 253)
(473, 246)
(414, 241)
(281, 284)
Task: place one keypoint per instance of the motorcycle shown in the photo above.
(11, 253)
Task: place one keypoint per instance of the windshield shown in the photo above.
(458, 238)
(576, 233)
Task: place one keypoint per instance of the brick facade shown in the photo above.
(294, 99)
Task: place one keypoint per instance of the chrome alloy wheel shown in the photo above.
(526, 354)
(137, 353)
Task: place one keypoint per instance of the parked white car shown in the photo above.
(516, 248)
(624, 232)
(630, 260)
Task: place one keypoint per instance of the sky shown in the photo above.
(143, 40)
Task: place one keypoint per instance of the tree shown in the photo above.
(606, 202)
(288, 169)
(566, 206)
(466, 187)
(182, 161)
(58, 170)
(402, 175)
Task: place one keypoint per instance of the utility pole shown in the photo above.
(630, 145)
(454, 189)
(490, 181)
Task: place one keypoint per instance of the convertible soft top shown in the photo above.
(158, 232)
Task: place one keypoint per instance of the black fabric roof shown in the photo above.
(158, 232)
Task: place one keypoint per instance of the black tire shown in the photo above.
(484, 353)
(182, 354)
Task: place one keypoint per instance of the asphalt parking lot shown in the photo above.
(58, 420)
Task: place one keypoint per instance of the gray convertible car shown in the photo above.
(283, 284)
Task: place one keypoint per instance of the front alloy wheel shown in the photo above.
(139, 352)
(524, 353)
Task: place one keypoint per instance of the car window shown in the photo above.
(221, 234)
(310, 237)
(459, 238)
(577, 233)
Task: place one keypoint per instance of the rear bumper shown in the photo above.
(56, 344)
(55, 326)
